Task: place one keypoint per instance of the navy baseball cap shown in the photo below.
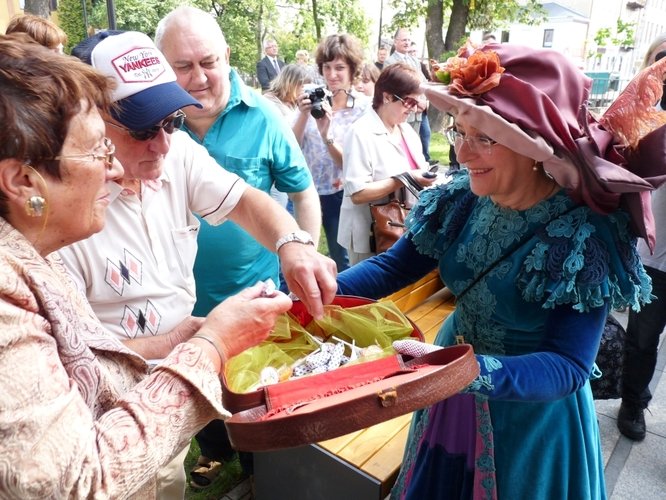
(146, 90)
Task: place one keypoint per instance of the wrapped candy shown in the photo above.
(343, 335)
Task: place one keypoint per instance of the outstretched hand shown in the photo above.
(309, 275)
(245, 319)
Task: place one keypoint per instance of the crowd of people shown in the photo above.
(147, 195)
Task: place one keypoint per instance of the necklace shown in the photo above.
(391, 129)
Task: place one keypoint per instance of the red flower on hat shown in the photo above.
(476, 74)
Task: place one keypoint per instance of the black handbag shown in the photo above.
(610, 359)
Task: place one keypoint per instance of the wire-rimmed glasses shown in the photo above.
(476, 143)
(107, 157)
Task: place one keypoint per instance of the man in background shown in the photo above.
(382, 54)
(402, 43)
(646, 326)
(269, 67)
(303, 57)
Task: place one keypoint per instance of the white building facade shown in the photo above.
(572, 26)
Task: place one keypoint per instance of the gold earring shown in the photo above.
(35, 206)
(535, 167)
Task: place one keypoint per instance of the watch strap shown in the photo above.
(302, 237)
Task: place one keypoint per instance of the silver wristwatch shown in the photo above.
(300, 236)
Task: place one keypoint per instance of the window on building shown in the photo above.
(548, 37)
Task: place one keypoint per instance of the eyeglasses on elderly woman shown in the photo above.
(169, 125)
(107, 157)
(479, 144)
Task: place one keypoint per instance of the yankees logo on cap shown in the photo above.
(146, 89)
(139, 65)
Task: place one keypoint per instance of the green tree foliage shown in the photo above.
(624, 33)
(240, 21)
(460, 17)
(245, 24)
(324, 17)
(408, 14)
(301, 36)
(489, 15)
(313, 20)
(137, 15)
(346, 16)
(602, 36)
(71, 20)
(621, 36)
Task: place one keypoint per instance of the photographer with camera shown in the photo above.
(325, 114)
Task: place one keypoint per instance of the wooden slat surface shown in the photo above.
(378, 450)
(336, 445)
(366, 444)
(385, 463)
(414, 294)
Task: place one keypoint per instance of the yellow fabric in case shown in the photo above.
(379, 323)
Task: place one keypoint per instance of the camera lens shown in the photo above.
(317, 112)
(317, 99)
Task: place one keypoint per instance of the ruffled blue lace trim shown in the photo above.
(580, 258)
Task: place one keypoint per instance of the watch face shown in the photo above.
(301, 237)
(298, 236)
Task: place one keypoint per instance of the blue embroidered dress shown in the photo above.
(526, 427)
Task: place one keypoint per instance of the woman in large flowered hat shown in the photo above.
(536, 238)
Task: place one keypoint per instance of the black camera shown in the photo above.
(317, 94)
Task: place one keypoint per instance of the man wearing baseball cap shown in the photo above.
(266, 155)
(137, 272)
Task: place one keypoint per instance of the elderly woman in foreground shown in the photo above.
(80, 416)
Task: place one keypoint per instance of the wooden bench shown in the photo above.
(362, 465)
